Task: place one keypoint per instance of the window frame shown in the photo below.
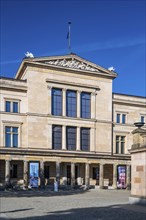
(11, 134)
(12, 101)
(84, 104)
(54, 102)
(120, 144)
(69, 104)
(121, 118)
(53, 138)
(74, 135)
(85, 147)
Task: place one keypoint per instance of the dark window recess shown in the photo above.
(85, 105)
(123, 118)
(57, 137)
(47, 172)
(71, 138)
(8, 106)
(85, 139)
(118, 118)
(56, 101)
(14, 171)
(96, 173)
(71, 103)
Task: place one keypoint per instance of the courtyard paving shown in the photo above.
(94, 204)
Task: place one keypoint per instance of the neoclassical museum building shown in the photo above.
(60, 121)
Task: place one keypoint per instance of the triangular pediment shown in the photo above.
(70, 61)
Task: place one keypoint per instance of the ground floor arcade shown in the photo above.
(102, 173)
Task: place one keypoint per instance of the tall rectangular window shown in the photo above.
(71, 138)
(8, 106)
(71, 103)
(117, 144)
(123, 118)
(118, 118)
(142, 119)
(85, 139)
(120, 144)
(12, 106)
(85, 105)
(57, 137)
(56, 101)
(15, 107)
(11, 136)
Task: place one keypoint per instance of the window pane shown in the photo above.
(85, 139)
(118, 118)
(15, 140)
(117, 147)
(8, 140)
(57, 137)
(71, 103)
(71, 138)
(123, 119)
(8, 129)
(122, 147)
(57, 102)
(15, 130)
(15, 107)
(8, 106)
(85, 105)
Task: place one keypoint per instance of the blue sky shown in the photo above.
(106, 32)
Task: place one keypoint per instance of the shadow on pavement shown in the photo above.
(114, 212)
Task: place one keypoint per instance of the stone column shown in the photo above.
(128, 177)
(63, 137)
(58, 172)
(25, 173)
(78, 138)
(78, 104)
(42, 177)
(114, 176)
(50, 100)
(72, 175)
(87, 181)
(93, 105)
(64, 102)
(101, 180)
(7, 172)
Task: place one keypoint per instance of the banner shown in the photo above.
(121, 181)
(33, 174)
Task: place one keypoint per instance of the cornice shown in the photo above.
(72, 84)
(62, 153)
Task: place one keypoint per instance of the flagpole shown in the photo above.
(69, 37)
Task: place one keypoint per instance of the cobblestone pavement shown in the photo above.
(70, 205)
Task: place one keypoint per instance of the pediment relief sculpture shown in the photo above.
(72, 63)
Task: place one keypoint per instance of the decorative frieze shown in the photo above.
(73, 64)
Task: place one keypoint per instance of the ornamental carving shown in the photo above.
(74, 64)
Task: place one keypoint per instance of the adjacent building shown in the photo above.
(59, 120)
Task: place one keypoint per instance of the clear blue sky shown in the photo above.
(106, 32)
